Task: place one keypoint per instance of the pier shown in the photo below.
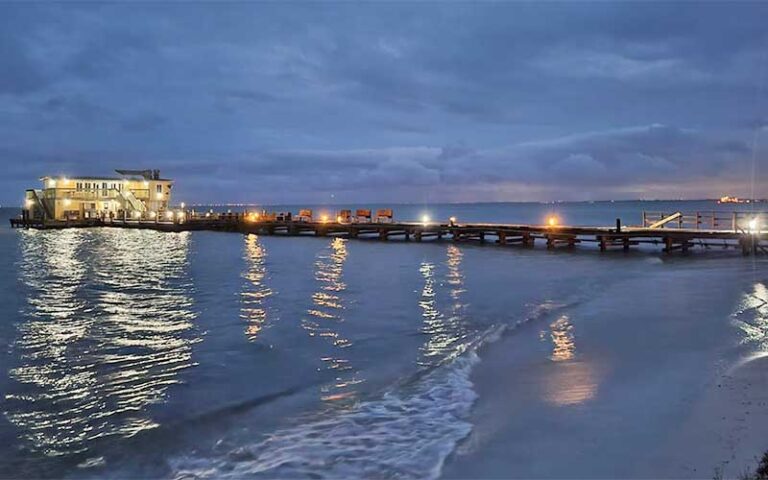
(669, 231)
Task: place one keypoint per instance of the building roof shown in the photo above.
(96, 177)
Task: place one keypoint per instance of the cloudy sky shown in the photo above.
(425, 102)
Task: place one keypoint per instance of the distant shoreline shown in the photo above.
(554, 202)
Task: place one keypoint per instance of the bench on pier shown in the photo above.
(304, 215)
(384, 215)
(363, 216)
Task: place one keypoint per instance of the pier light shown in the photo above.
(207, 214)
(425, 219)
(754, 225)
(338, 219)
(324, 218)
(552, 221)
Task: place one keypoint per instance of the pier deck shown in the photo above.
(676, 238)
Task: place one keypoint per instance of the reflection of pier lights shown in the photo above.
(325, 313)
(255, 293)
(445, 331)
(568, 380)
(90, 365)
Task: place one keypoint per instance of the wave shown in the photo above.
(407, 432)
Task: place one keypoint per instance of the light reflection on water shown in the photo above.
(326, 313)
(570, 381)
(751, 317)
(105, 333)
(255, 294)
(447, 333)
(561, 333)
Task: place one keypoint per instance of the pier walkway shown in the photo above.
(670, 232)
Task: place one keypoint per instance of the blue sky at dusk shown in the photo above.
(390, 102)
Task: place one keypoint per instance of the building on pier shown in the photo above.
(131, 194)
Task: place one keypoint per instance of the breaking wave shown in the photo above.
(407, 432)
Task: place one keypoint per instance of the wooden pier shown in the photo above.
(670, 232)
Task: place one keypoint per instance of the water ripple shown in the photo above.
(106, 331)
(256, 292)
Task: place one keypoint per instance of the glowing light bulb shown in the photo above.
(753, 225)
(425, 219)
(552, 221)
(324, 218)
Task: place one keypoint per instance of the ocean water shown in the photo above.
(210, 355)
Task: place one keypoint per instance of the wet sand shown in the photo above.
(649, 385)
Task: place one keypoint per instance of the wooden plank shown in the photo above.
(665, 220)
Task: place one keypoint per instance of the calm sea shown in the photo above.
(147, 354)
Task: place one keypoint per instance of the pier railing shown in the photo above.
(707, 220)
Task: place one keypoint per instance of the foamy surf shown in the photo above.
(407, 432)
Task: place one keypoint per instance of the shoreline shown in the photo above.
(638, 394)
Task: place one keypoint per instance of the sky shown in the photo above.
(390, 102)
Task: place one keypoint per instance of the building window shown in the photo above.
(159, 189)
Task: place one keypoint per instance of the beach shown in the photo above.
(661, 383)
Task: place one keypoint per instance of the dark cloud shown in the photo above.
(388, 100)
